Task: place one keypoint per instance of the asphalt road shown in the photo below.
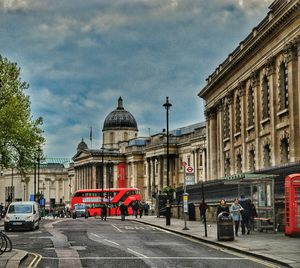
(93, 243)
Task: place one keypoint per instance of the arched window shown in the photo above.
(226, 122)
(283, 87)
(250, 107)
(238, 115)
(265, 98)
(239, 164)
(227, 165)
(252, 160)
(267, 155)
(284, 150)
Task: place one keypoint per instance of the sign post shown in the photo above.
(185, 208)
(187, 171)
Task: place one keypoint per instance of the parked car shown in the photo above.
(80, 210)
(22, 215)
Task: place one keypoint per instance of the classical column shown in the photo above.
(160, 172)
(293, 100)
(94, 176)
(257, 116)
(149, 178)
(242, 91)
(271, 71)
(153, 174)
(212, 139)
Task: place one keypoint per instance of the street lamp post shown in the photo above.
(12, 184)
(109, 179)
(102, 174)
(38, 174)
(167, 106)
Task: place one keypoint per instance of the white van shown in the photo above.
(22, 215)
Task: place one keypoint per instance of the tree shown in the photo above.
(20, 135)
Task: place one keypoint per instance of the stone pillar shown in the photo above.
(149, 178)
(212, 139)
(293, 99)
(271, 71)
(242, 91)
(153, 175)
(160, 172)
(95, 178)
(257, 116)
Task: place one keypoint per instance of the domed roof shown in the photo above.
(82, 146)
(120, 118)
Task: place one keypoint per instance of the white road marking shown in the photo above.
(95, 235)
(112, 242)
(137, 253)
(145, 257)
(117, 228)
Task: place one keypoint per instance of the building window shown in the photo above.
(227, 165)
(284, 150)
(226, 122)
(125, 136)
(250, 107)
(239, 164)
(200, 159)
(267, 155)
(283, 87)
(266, 98)
(252, 160)
(189, 161)
(156, 166)
(238, 114)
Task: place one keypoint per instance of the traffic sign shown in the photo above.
(189, 169)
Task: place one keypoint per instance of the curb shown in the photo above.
(215, 243)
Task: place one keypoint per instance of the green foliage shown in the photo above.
(20, 135)
(169, 190)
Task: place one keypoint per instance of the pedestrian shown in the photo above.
(146, 208)
(246, 214)
(141, 209)
(135, 208)
(222, 207)
(123, 211)
(235, 210)
(203, 207)
(103, 212)
(1, 210)
(253, 215)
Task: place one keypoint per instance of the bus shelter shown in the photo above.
(259, 188)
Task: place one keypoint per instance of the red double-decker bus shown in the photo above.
(92, 199)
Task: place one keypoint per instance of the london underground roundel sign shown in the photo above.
(189, 169)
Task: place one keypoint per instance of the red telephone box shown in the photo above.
(292, 204)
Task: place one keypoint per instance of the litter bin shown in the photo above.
(225, 227)
(192, 214)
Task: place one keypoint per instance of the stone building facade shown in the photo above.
(131, 161)
(252, 98)
(50, 179)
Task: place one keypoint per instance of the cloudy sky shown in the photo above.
(80, 56)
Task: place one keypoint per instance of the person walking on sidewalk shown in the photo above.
(246, 213)
(141, 208)
(135, 208)
(235, 210)
(222, 207)
(103, 212)
(123, 211)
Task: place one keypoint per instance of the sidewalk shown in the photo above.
(11, 259)
(268, 245)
